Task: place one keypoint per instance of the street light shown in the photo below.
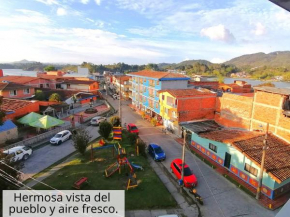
(262, 164)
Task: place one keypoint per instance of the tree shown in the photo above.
(81, 140)
(115, 121)
(105, 129)
(49, 68)
(55, 97)
(39, 95)
(2, 113)
(267, 84)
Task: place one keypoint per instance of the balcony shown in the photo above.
(172, 105)
(152, 84)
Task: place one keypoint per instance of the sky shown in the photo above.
(139, 31)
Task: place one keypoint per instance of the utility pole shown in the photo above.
(262, 164)
(183, 159)
(120, 95)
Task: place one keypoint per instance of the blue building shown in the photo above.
(146, 84)
(240, 152)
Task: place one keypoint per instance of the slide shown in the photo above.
(136, 166)
(112, 169)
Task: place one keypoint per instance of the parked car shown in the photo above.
(116, 96)
(61, 137)
(132, 128)
(18, 153)
(189, 179)
(156, 152)
(97, 120)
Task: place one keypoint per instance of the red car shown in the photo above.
(189, 178)
(132, 128)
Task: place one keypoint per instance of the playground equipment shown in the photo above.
(122, 160)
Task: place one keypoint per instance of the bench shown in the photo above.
(78, 184)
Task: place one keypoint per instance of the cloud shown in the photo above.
(85, 1)
(98, 2)
(98, 23)
(61, 12)
(260, 29)
(156, 31)
(218, 33)
(48, 2)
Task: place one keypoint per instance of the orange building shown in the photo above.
(14, 90)
(82, 85)
(16, 108)
(268, 105)
(236, 87)
(181, 105)
(30, 81)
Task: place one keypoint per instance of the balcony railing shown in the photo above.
(152, 85)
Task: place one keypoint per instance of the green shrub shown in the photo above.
(142, 148)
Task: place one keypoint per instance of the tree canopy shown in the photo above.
(55, 97)
(105, 129)
(39, 95)
(50, 68)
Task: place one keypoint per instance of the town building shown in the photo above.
(182, 105)
(211, 85)
(251, 111)
(81, 85)
(17, 108)
(8, 131)
(240, 153)
(125, 85)
(236, 87)
(145, 87)
(15, 90)
(30, 81)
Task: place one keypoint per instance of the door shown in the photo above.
(227, 162)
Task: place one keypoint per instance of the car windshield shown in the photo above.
(187, 171)
(58, 135)
(158, 150)
(26, 148)
(134, 128)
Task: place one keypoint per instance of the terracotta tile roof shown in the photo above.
(19, 79)
(229, 136)
(157, 74)
(282, 91)
(12, 86)
(14, 104)
(79, 82)
(181, 93)
(277, 161)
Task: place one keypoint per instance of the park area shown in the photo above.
(149, 194)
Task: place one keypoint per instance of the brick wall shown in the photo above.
(200, 107)
(234, 110)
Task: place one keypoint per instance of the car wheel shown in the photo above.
(25, 157)
(59, 142)
(171, 170)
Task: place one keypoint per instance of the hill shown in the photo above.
(183, 63)
(274, 59)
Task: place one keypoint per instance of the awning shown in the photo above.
(29, 118)
(46, 122)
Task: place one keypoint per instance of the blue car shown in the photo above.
(156, 152)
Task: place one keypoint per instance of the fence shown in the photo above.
(34, 141)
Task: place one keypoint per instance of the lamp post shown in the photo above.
(262, 164)
(120, 112)
(183, 159)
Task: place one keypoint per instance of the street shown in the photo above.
(221, 197)
(49, 154)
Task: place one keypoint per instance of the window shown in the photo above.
(251, 169)
(157, 82)
(13, 92)
(212, 147)
(26, 91)
(163, 97)
(47, 85)
(144, 80)
(68, 85)
(41, 85)
(176, 167)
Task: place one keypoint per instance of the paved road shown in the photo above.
(221, 198)
(49, 154)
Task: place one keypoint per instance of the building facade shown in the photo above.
(146, 84)
(14, 90)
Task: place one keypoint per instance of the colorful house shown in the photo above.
(125, 85)
(30, 81)
(8, 131)
(236, 87)
(145, 87)
(81, 85)
(182, 105)
(240, 153)
(16, 108)
(14, 90)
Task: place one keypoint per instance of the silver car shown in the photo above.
(61, 137)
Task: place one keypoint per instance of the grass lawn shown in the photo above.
(150, 193)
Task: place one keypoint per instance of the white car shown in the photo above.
(116, 96)
(97, 120)
(18, 153)
(60, 137)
